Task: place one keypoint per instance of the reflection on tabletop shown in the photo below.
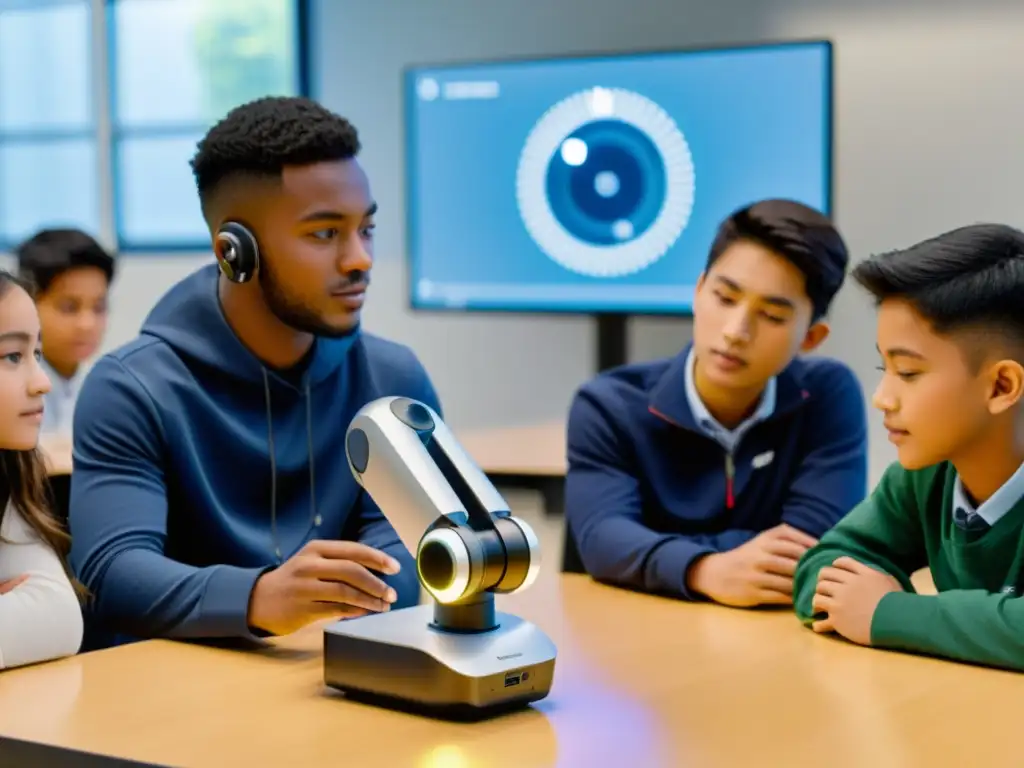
(639, 680)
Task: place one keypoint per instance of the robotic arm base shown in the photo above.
(469, 617)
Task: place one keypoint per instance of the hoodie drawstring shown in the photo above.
(314, 518)
(309, 448)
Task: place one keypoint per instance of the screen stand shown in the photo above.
(612, 340)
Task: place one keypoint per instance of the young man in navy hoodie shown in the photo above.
(211, 495)
(708, 475)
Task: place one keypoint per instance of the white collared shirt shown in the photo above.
(996, 506)
(59, 403)
(727, 438)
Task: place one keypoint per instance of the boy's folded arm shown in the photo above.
(41, 618)
(967, 625)
(604, 509)
(883, 531)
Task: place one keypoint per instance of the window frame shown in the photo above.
(108, 135)
(119, 134)
(37, 137)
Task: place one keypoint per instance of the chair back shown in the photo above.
(60, 496)
(571, 560)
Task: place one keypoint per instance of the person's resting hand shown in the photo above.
(759, 572)
(323, 580)
(849, 592)
(11, 584)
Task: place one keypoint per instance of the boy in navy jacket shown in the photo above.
(709, 474)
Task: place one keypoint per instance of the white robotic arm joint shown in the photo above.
(442, 505)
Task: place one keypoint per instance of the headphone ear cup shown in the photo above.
(237, 251)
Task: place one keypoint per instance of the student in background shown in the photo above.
(951, 338)
(212, 496)
(70, 274)
(707, 475)
(40, 615)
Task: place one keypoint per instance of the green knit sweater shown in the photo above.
(907, 524)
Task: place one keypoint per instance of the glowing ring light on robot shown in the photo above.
(553, 134)
(455, 549)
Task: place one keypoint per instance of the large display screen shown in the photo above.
(596, 185)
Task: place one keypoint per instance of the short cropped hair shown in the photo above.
(802, 235)
(264, 136)
(970, 277)
(51, 252)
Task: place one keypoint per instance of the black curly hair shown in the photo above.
(263, 136)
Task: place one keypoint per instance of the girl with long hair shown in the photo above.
(40, 610)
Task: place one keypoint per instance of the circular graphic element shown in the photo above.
(428, 89)
(605, 183)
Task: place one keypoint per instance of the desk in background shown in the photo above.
(639, 680)
(531, 456)
(56, 450)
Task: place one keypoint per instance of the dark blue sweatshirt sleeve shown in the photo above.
(603, 510)
(118, 519)
(833, 474)
(375, 530)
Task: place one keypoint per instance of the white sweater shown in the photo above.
(41, 619)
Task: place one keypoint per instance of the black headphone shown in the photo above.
(237, 251)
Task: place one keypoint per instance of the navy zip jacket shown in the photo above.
(196, 469)
(648, 491)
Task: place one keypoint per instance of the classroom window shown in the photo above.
(49, 172)
(103, 143)
(177, 67)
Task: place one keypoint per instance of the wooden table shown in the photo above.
(527, 456)
(56, 450)
(640, 680)
(531, 449)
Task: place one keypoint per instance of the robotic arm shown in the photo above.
(468, 545)
(469, 660)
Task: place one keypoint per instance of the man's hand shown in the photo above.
(759, 572)
(324, 580)
(849, 592)
(11, 584)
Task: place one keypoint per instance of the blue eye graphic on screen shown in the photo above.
(605, 183)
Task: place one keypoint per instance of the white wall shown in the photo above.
(929, 137)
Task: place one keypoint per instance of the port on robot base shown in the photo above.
(398, 660)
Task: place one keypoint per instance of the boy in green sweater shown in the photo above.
(951, 337)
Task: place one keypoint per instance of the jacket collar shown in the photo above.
(668, 398)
